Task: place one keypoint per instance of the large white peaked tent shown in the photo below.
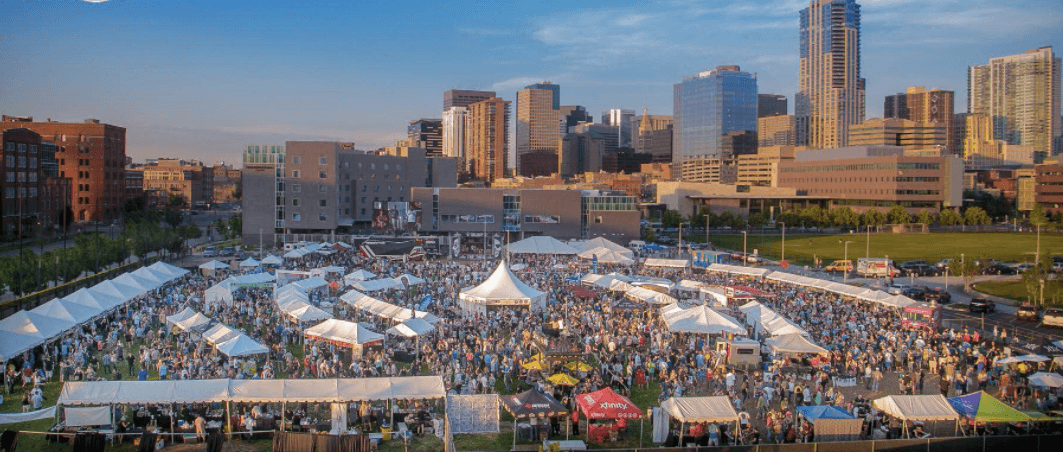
(67, 310)
(541, 245)
(241, 346)
(607, 256)
(599, 242)
(793, 344)
(349, 334)
(501, 289)
(701, 319)
(272, 260)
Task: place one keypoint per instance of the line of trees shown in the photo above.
(841, 217)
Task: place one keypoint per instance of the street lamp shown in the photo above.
(707, 242)
(868, 242)
(783, 258)
(1042, 292)
(845, 277)
(745, 258)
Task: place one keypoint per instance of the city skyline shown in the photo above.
(199, 81)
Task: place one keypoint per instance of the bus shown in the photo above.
(922, 316)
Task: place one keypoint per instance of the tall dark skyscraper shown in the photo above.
(464, 97)
(771, 105)
(831, 96)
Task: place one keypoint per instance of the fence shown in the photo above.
(984, 327)
(1033, 443)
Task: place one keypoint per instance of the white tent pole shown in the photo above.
(229, 419)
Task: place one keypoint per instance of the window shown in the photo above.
(33, 177)
(9, 146)
(322, 217)
(296, 188)
(372, 166)
(33, 162)
(598, 220)
(363, 211)
(33, 149)
(22, 148)
(21, 161)
(322, 175)
(346, 211)
(295, 201)
(296, 160)
(10, 160)
(398, 167)
(322, 161)
(11, 194)
(548, 219)
(11, 177)
(322, 188)
(363, 198)
(296, 217)
(295, 174)
(322, 203)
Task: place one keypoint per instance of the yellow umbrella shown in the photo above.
(537, 357)
(563, 379)
(578, 366)
(536, 365)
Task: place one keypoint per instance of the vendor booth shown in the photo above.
(347, 334)
(528, 405)
(540, 244)
(701, 319)
(607, 414)
(981, 408)
(831, 423)
(501, 290)
(911, 408)
(696, 410)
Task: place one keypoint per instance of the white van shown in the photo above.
(1053, 317)
(210, 251)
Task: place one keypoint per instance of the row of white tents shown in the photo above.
(861, 293)
(27, 329)
(227, 340)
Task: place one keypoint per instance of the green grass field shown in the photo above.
(1016, 290)
(801, 249)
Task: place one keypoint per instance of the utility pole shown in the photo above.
(868, 242)
(707, 242)
(846, 275)
(745, 258)
(783, 258)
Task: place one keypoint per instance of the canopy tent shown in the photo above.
(982, 407)
(832, 423)
(384, 309)
(700, 409)
(214, 265)
(502, 288)
(667, 263)
(341, 332)
(917, 407)
(606, 404)
(311, 283)
(649, 296)
(135, 282)
(184, 314)
(1046, 380)
(532, 403)
(174, 271)
(194, 322)
(374, 285)
(84, 417)
(98, 300)
(793, 344)
(607, 256)
(625, 303)
(409, 280)
(541, 244)
(599, 242)
(301, 311)
(412, 328)
(327, 270)
(117, 290)
(66, 310)
(25, 330)
(241, 345)
(562, 379)
(765, 319)
(253, 280)
(272, 260)
(358, 275)
(220, 293)
(581, 292)
(701, 319)
(645, 281)
(220, 333)
(154, 278)
(250, 263)
(738, 270)
(250, 391)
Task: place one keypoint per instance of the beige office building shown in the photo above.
(487, 139)
(762, 169)
(538, 120)
(1022, 93)
(910, 135)
(776, 130)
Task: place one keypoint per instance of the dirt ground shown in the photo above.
(232, 446)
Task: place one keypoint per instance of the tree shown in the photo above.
(872, 217)
(816, 216)
(1032, 279)
(670, 219)
(845, 217)
(924, 217)
(975, 216)
(967, 269)
(790, 217)
(1038, 217)
(758, 219)
(897, 215)
(949, 217)
(648, 235)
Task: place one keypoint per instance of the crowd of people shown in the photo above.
(626, 349)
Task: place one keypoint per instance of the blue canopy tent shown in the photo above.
(832, 423)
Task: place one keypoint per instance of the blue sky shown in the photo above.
(199, 79)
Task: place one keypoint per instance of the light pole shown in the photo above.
(679, 249)
(707, 242)
(1042, 292)
(745, 258)
(783, 258)
(845, 277)
(868, 242)
(1038, 262)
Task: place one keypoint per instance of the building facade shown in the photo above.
(580, 153)
(771, 105)
(453, 133)
(570, 115)
(33, 198)
(487, 139)
(776, 130)
(715, 116)
(1022, 95)
(426, 134)
(464, 97)
(905, 133)
(189, 183)
(623, 120)
(538, 120)
(563, 214)
(1048, 187)
(92, 155)
(831, 90)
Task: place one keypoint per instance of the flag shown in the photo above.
(427, 300)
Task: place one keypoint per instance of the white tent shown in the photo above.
(135, 281)
(412, 328)
(738, 270)
(117, 290)
(349, 334)
(374, 285)
(195, 321)
(25, 330)
(649, 296)
(174, 271)
(541, 245)
(302, 311)
(1046, 380)
(219, 333)
(358, 275)
(700, 409)
(67, 311)
(272, 260)
(220, 293)
(599, 242)
(384, 309)
(184, 314)
(92, 300)
(502, 288)
(214, 265)
(701, 319)
(607, 256)
(409, 280)
(250, 262)
(310, 283)
(327, 270)
(917, 407)
(765, 319)
(241, 345)
(793, 343)
(668, 263)
(156, 278)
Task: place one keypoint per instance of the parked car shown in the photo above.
(915, 292)
(921, 270)
(912, 263)
(1028, 313)
(982, 305)
(944, 263)
(1000, 269)
(1057, 267)
(1053, 317)
(227, 251)
(897, 288)
(210, 251)
(937, 295)
(839, 266)
(1021, 268)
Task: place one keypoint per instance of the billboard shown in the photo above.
(396, 217)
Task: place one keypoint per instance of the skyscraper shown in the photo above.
(464, 97)
(771, 105)
(1022, 95)
(831, 96)
(924, 106)
(487, 139)
(454, 132)
(715, 115)
(426, 133)
(538, 129)
(570, 115)
(623, 119)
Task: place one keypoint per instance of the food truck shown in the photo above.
(922, 315)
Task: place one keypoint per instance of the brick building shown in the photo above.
(31, 189)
